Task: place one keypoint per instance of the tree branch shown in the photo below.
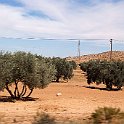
(31, 90)
(9, 91)
(25, 89)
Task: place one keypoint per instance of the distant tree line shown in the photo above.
(32, 71)
(110, 73)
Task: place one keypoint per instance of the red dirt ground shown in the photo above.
(77, 101)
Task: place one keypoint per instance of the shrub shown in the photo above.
(44, 118)
(107, 115)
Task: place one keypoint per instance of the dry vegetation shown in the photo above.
(77, 102)
(116, 55)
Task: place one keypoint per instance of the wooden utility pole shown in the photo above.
(79, 50)
(110, 49)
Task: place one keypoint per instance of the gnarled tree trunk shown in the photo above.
(31, 90)
(9, 91)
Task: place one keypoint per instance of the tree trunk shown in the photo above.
(57, 80)
(15, 89)
(119, 87)
(109, 86)
(30, 92)
(16, 92)
(9, 91)
(22, 91)
(25, 89)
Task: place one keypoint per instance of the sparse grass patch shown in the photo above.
(43, 118)
(107, 115)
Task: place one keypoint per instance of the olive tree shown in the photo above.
(73, 63)
(108, 73)
(25, 68)
(64, 69)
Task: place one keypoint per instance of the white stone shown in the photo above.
(58, 94)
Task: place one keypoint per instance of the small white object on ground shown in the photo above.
(58, 94)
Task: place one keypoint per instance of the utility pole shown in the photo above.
(79, 50)
(111, 49)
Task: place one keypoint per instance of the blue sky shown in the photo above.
(61, 19)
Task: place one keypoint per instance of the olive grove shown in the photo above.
(110, 73)
(31, 71)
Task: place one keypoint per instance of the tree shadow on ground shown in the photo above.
(99, 88)
(9, 99)
(62, 81)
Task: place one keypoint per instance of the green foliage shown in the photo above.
(107, 115)
(5, 68)
(26, 68)
(46, 73)
(68, 71)
(33, 71)
(109, 73)
(73, 63)
(63, 68)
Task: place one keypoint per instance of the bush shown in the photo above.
(44, 118)
(107, 115)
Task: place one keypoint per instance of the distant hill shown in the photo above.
(116, 55)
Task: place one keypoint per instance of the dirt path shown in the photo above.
(76, 101)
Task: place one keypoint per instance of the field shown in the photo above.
(78, 100)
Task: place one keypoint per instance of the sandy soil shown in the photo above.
(77, 101)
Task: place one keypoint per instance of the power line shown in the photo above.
(39, 38)
(42, 38)
(71, 39)
(120, 41)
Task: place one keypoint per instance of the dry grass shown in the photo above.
(116, 55)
